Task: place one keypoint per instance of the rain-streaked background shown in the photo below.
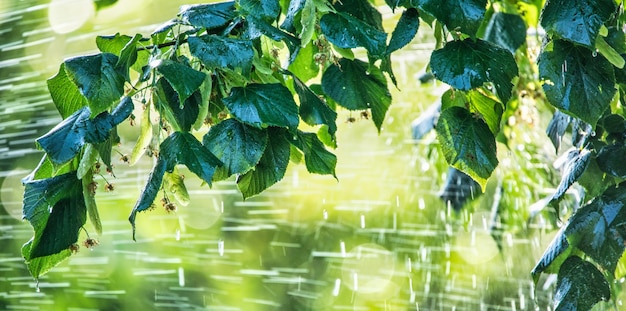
(379, 239)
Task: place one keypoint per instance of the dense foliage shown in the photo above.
(263, 80)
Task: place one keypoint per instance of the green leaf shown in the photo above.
(598, 228)
(318, 160)
(574, 167)
(506, 30)
(89, 158)
(98, 79)
(101, 4)
(65, 94)
(237, 145)
(265, 9)
(464, 15)
(304, 66)
(145, 137)
(90, 201)
(610, 160)
(308, 20)
(405, 30)
(178, 148)
(363, 10)
(261, 105)
(469, 64)
(594, 180)
(556, 128)
(488, 107)
(208, 16)
(580, 84)
(106, 147)
(580, 286)
(125, 47)
(578, 21)
(182, 118)
(467, 143)
(313, 110)
(609, 53)
(355, 85)
(174, 184)
(294, 8)
(257, 26)
(346, 31)
(64, 141)
(55, 208)
(553, 257)
(184, 79)
(270, 169)
(217, 52)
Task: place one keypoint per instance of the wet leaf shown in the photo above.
(98, 79)
(265, 9)
(467, 143)
(488, 107)
(257, 27)
(469, 64)
(578, 21)
(346, 31)
(184, 79)
(506, 30)
(125, 47)
(181, 118)
(270, 169)
(580, 286)
(294, 8)
(65, 94)
(363, 10)
(318, 160)
(55, 208)
(261, 105)
(208, 16)
(216, 52)
(64, 141)
(237, 145)
(581, 84)
(313, 110)
(553, 257)
(610, 160)
(356, 86)
(574, 167)
(150, 190)
(556, 128)
(405, 30)
(464, 15)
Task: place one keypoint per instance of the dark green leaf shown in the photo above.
(101, 4)
(98, 79)
(469, 64)
(208, 16)
(362, 10)
(266, 9)
(385, 66)
(55, 207)
(318, 160)
(151, 189)
(106, 147)
(614, 124)
(598, 228)
(580, 286)
(313, 110)
(257, 26)
(611, 160)
(580, 83)
(556, 128)
(184, 79)
(594, 180)
(345, 31)
(63, 142)
(270, 169)
(65, 94)
(295, 7)
(182, 118)
(237, 145)
(261, 105)
(578, 21)
(553, 257)
(464, 15)
(506, 30)
(216, 52)
(467, 143)
(575, 165)
(405, 30)
(356, 86)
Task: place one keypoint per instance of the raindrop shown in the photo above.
(355, 281)
(37, 289)
(595, 53)
(362, 221)
(177, 234)
(409, 266)
(342, 247)
(337, 287)
(222, 207)
(325, 214)
(181, 277)
(220, 247)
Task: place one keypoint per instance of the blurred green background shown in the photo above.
(379, 239)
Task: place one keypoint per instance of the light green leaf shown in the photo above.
(487, 106)
(261, 105)
(65, 94)
(304, 66)
(467, 143)
(145, 137)
(90, 202)
(174, 184)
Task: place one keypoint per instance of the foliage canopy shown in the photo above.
(247, 70)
